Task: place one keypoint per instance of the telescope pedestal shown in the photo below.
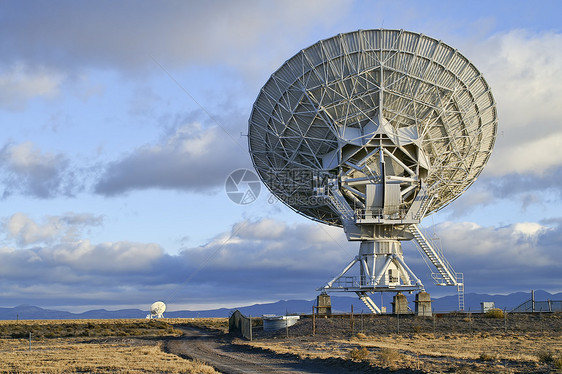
(382, 269)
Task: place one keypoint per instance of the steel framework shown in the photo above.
(372, 130)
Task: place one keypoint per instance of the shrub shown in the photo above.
(20, 335)
(487, 356)
(358, 354)
(389, 356)
(494, 313)
(545, 356)
(461, 370)
(558, 363)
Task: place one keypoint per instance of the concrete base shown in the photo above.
(423, 304)
(324, 304)
(400, 304)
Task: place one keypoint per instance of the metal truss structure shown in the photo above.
(373, 130)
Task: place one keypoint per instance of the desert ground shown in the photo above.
(448, 343)
(457, 343)
(91, 346)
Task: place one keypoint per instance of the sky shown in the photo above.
(121, 122)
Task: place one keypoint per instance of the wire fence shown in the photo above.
(539, 306)
(477, 324)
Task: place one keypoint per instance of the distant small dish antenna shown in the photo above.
(157, 310)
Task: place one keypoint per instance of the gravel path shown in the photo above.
(218, 351)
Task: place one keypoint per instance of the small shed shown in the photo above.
(272, 322)
(487, 305)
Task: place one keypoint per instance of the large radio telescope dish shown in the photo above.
(371, 108)
(157, 309)
(372, 130)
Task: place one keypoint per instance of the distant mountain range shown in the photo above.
(341, 304)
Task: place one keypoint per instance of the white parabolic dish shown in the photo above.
(349, 104)
(157, 309)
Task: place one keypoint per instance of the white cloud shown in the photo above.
(513, 250)
(120, 257)
(191, 158)
(277, 246)
(244, 264)
(26, 169)
(44, 47)
(126, 34)
(502, 259)
(25, 231)
(528, 229)
(535, 156)
(524, 71)
(265, 229)
(67, 262)
(58, 245)
(19, 84)
(293, 263)
(26, 157)
(48, 48)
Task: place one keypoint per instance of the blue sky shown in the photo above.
(122, 120)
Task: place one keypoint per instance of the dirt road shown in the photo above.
(217, 350)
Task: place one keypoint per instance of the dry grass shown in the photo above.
(494, 313)
(78, 355)
(469, 342)
(101, 346)
(484, 356)
(85, 328)
(389, 356)
(546, 356)
(558, 363)
(134, 346)
(483, 353)
(219, 324)
(357, 354)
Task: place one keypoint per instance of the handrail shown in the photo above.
(436, 257)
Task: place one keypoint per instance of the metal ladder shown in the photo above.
(368, 302)
(460, 290)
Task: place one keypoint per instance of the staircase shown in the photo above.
(445, 275)
(341, 205)
(368, 302)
